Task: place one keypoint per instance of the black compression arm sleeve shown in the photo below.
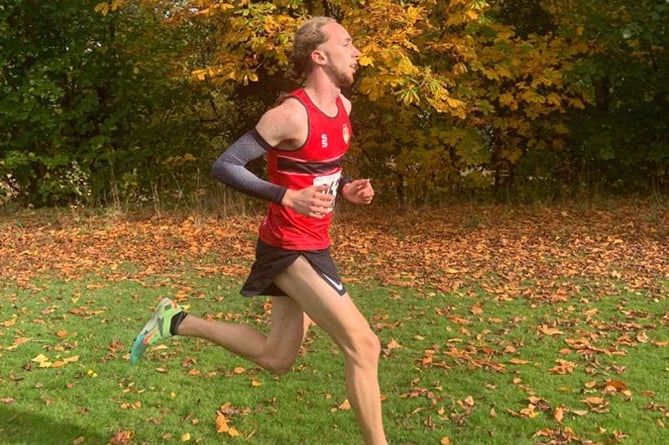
(230, 168)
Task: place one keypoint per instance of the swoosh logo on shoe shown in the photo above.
(148, 338)
(338, 285)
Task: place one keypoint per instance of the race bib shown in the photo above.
(332, 181)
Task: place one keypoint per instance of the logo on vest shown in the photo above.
(346, 133)
(324, 140)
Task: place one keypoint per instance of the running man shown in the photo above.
(304, 139)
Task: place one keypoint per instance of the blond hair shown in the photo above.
(307, 38)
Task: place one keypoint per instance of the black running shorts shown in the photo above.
(270, 261)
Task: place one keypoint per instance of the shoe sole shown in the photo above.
(140, 341)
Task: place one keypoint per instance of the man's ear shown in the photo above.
(318, 57)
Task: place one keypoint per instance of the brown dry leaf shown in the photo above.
(539, 403)
(477, 309)
(65, 361)
(445, 441)
(393, 345)
(596, 404)
(642, 337)
(122, 438)
(558, 414)
(546, 330)
(612, 386)
(558, 436)
(564, 367)
(530, 412)
(459, 320)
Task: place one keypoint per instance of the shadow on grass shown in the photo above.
(26, 427)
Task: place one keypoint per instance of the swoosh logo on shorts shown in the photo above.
(338, 285)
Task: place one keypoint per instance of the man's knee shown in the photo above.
(279, 364)
(366, 348)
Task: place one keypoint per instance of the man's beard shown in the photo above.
(341, 78)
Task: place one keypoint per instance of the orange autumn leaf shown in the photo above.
(18, 342)
(221, 423)
(9, 323)
(558, 414)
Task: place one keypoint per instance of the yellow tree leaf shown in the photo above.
(366, 61)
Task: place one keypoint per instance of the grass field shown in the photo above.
(499, 326)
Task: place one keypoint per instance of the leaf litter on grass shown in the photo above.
(568, 259)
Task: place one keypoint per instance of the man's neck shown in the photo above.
(323, 93)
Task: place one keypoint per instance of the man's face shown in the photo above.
(341, 56)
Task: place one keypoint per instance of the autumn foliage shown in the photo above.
(556, 250)
(525, 99)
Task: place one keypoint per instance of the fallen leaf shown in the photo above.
(221, 423)
(558, 414)
(9, 323)
(477, 309)
(232, 432)
(393, 344)
(549, 331)
(18, 342)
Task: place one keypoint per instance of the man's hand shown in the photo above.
(359, 191)
(310, 201)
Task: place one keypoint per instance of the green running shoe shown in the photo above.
(156, 330)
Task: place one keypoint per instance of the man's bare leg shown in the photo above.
(342, 320)
(275, 352)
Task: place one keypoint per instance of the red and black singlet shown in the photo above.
(317, 162)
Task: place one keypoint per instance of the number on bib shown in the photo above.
(332, 181)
